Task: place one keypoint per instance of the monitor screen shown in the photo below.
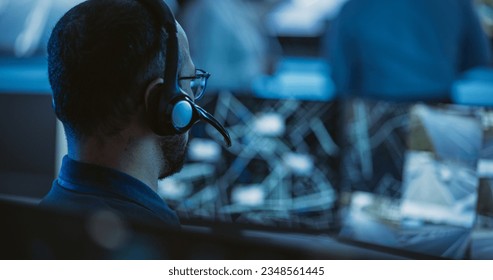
(280, 172)
(409, 177)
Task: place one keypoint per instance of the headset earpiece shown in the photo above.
(170, 114)
(170, 111)
(182, 114)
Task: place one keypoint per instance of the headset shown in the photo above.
(170, 110)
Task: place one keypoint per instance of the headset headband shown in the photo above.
(166, 20)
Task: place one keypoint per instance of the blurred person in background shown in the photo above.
(230, 40)
(404, 49)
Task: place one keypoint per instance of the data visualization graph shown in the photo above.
(280, 171)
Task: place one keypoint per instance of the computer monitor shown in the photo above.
(280, 172)
(409, 177)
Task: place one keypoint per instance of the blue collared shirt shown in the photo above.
(88, 188)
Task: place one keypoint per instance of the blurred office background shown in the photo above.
(269, 49)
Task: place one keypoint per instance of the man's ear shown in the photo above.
(149, 89)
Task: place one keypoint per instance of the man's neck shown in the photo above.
(119, 153)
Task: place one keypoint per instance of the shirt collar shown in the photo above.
(98, 180)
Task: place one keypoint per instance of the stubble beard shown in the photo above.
(173, 152)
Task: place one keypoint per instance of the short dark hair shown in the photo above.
(101, 56)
